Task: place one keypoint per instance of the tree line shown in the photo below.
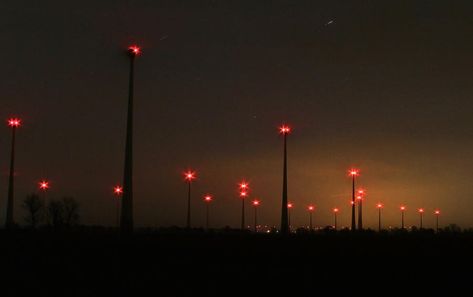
(55, 213)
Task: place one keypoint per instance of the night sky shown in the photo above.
(385, 87)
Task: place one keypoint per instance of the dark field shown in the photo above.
(169, 263)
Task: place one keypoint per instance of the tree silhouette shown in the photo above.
(452, 228)
(71, 211)
(33, 205)
(56, 213)
(64, 212)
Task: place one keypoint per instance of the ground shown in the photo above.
(89, 262)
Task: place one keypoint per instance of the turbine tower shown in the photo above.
(353, 173)
(126, 221)
(284, 130)
(14, 123)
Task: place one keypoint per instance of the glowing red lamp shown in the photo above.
(208, 198)
(43, 185)
(189, 175)
(284, 129)
(118, 190)
(134, 50)
(243, 186)
(14, 122)
(354, 172)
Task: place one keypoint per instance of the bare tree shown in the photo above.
(33, 205)
(64, 212)
(71, 211)
(56, 213)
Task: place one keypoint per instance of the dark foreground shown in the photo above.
(93, 262)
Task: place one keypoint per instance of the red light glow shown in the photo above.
(354, 172)
(361, 192)
(44, 185)
(311, 208)
(336, 210)
(14, 122)
(118, 190)
(290, 205)
(403, 208)
(379, 205)
(208, 198)
(421, 210)
(437, 212)
(284, 129)
(189, 175)
(359, 197)
(243, 194)
(243, 185)
(134, 50)
(256, 203)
